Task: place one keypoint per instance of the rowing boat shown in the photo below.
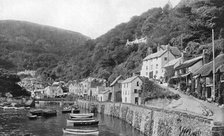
(80, 131)
(32, 117)
(83, 122)
(83, 115)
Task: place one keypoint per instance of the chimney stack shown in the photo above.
(182, 57)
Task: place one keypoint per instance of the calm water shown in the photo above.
(15, 123)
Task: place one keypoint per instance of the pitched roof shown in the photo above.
(155, 55)
(172, 62)
(116, 80)
(208, 68)
(174, 50)
(103, 92)
(189, 63)
(128, 80)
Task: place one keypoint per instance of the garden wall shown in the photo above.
(156, 121)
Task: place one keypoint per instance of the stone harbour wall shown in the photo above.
(157, 122)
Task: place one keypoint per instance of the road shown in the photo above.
(194, 105)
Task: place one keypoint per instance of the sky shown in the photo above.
(89, 17)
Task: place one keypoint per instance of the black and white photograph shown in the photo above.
(111, 67)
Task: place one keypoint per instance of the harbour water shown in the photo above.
(16, 123)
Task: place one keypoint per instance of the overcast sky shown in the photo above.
(89, 17)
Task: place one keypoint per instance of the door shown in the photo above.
(136, 100)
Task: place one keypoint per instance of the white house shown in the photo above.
(136, 41)
(153, 64)
(53, 91)
(130, 90)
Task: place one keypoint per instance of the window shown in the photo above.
(156, 72)
(137, 83)
(135, 91)
(151, 66)
(165, 58)
(146, 67)
(156, 66)
(146, 73)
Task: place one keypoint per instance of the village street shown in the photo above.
(193, 105)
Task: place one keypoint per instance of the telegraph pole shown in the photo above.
(213, 51)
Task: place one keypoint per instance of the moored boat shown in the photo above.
(83, 115)
(67, 110)
(32, 117)
(83, 122)
(8, 108)
(19, 108)
(49, 113)
(75, 111)
(80, 131)
(80, 119)
(38, 112)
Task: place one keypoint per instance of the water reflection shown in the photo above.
(15, 123)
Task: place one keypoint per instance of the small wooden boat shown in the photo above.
(80, 131)
(19, 108)
(32, 117)
(8, 108)
(49, 113)
(83, 115)
(38, 112)
(83, 122)
(67, 110)
(75, 111)
(82, 119)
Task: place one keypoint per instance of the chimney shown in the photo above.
(136, 74)
(182, 57)
(158, 47)
(149, 51)
(204, 56)
(133, 74)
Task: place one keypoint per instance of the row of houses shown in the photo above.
(119, 90)
(191, 75)
(168, 64)
(57, 89)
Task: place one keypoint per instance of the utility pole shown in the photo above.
(213, 51)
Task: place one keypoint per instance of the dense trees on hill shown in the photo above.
(187, 26)
(8, 84)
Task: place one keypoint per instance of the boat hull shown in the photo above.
(80, 132)
(32, 117)
(88, 115)
(49, 114)
(75, 111)
(66, 111)
(83, 122)
(37, 112)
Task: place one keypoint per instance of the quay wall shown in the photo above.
(156, 121)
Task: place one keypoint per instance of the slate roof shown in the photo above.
(189, 63)
(174, 50)
(116, 80)
(155, 55)
(172, 62)
(128, 80)
(208, 68)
